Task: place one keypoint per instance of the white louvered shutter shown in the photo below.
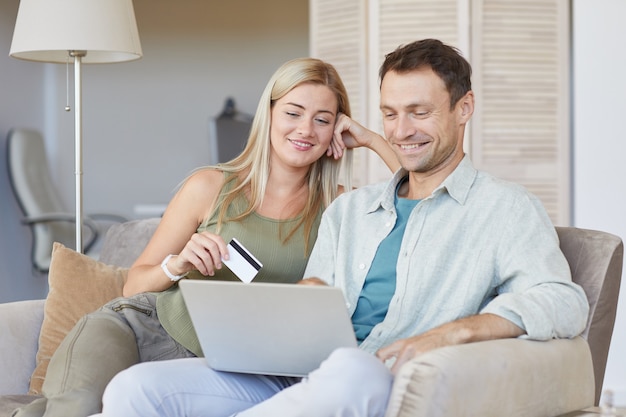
(521, 127)
(519, 54)
(338, 35)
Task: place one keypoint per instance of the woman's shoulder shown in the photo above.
(200, 191)
(205, 178)
(201, 185)
(211, 173)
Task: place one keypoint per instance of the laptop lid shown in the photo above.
(264, 328)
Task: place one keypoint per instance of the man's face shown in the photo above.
(426, 135)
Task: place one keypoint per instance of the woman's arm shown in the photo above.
(350, 134)
(176, 234)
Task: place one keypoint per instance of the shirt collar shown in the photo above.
(460, 181)
(457, 185)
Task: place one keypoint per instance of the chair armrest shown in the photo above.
(90, 224)
(59, 217)
(20, 323)
(506, 377)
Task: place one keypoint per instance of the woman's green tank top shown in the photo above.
(263, 237)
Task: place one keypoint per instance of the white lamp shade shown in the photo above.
(45, 30)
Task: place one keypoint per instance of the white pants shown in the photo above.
(350, 382)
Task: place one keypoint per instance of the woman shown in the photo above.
(270, 198)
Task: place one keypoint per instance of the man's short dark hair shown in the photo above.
(446, 61)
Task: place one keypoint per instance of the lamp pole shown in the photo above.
(78, 145)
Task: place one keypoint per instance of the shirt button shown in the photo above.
(361, 266)
(388, 224)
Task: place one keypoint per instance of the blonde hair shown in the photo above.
(252, 166)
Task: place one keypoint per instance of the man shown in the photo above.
(440, 255)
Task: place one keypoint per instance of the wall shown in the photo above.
(599, 145)
(145, 122)
(20, 105)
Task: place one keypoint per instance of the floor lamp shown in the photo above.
(82, 32)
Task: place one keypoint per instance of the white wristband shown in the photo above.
(167, 271)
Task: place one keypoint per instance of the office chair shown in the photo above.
(44, 213)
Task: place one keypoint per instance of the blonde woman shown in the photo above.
(270, 198)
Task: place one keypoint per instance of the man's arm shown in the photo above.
(466, 330)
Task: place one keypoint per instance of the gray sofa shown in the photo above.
(513, 377)
(20, 322)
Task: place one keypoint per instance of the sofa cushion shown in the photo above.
(78, 285)
(20, 325)
(124, 242)
(8, 403)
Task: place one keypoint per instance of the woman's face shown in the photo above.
(302, 124)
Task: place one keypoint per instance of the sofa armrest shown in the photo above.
(507, 377)
(20, 323)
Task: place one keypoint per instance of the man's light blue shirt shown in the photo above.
(478, 244)
(380, 281)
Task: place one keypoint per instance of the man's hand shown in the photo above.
(470, 329)
(404, 350)
(311, 281)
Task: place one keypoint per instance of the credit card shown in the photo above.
(242, 263)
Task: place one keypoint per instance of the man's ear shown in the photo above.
(466, 104)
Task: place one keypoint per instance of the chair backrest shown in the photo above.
(30, 178)
(596, 260)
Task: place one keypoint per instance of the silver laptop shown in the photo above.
(269, 329)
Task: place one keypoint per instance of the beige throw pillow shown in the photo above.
(78, 285)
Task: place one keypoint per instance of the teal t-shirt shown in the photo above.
(380, 282)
